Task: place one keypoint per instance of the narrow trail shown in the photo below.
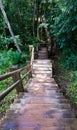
(43, 107)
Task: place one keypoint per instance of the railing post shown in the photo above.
(37, 46)
(28, 69)
(30, 50)
(17, 77)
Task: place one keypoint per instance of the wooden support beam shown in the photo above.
(16, 77)
(28, 69)
(30, 50)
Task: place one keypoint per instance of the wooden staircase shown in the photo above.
(43, 107)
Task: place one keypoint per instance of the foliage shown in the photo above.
(2, 43)
(9, 58)
(62, 19)
(72, 93)
(43, 25)
(5, 104)
(67, 81)
(20, 15)
(69, 61)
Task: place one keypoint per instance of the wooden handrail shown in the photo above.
(8, 90)
(15, 74)
(10, 74)
(17, 83)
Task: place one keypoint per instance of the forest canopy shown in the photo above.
(25, 17)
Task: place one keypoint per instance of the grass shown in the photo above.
(5, 103)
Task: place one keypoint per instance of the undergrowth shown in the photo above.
(72, 89)
(66, 77)
(7, 59)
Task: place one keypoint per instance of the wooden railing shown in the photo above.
(31, 51)
(15, 74)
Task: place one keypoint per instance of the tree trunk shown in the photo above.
(9, 26)
(34, 13)
(37, 24)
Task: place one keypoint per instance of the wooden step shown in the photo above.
(44, 107)
(42, 65)
(42, 61)
(42, 72)
(42, 75)
(42, 69)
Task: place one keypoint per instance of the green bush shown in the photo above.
(71, 62)
(72, 92)
(63, 27)
(2, 43)
(68, 60)
(14, 56)
(72, 88)
(9, 58)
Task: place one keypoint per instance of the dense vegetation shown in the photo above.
(62, 19)
(30, 20)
